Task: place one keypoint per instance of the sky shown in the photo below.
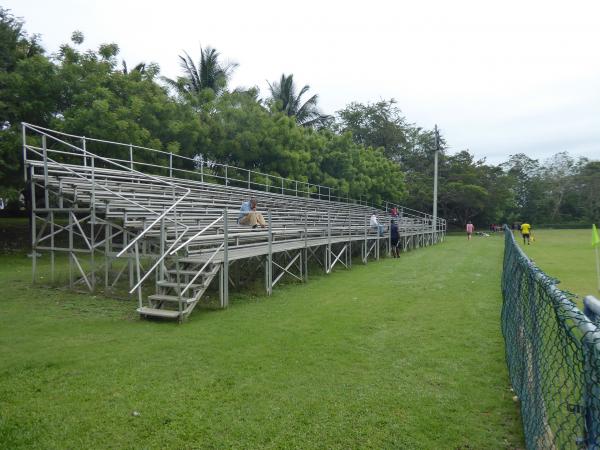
(498, 78)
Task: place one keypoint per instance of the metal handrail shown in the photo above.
(108, 160)
(196, 235)
(155, 265)
(330, 193)
(202, 269)
(34, 150)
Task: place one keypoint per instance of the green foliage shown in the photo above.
(376, 125)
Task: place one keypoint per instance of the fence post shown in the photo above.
(170, 165)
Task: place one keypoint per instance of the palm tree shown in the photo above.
(285, 99)
(141, 68)
(210, 73)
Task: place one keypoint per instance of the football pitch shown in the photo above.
(403, 353)
(566, 255)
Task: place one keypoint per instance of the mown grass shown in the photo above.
(396, 354)
(566, 255)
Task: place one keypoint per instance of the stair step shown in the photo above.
(185, 272)
(172, 284)
(165, 313)
(170, 298)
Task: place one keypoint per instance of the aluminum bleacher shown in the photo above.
(172, 226)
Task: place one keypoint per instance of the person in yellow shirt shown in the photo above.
(525, 232)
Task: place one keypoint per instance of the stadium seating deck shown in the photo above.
(178, 233)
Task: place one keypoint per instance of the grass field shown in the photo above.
(566, 255)
(397, 354)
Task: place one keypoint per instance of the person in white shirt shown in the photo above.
(376, 225)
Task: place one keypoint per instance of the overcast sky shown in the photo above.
(497, 77)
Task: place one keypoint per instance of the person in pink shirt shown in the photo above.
(470, 229)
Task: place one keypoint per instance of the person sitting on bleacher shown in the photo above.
(249, 215)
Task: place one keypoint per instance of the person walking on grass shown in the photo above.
(470, 229)
(526, 232)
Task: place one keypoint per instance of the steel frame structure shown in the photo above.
(179, 233)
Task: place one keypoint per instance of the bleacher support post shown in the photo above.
(349, 253)
(71, 250)
(306, 246)
(389, 242)
(139, 277)
(33, 220)
(269, 269)
(52, 245)
(92, 225)
(107, 246)
(225, 300)
(365, 245)
(328, 253)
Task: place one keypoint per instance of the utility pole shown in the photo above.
(435, 177)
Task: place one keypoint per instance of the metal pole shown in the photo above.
(305, 246)
(24, 137)
(328, 258)
(225, 261)
(270, 258)
(365, 256)
(52, 245)
(107, 246)
(171, 165)
(131, 156)
(71, 225)
(92, 222)
(33, 230)
(45, 153)
(84, 148)
(139, 289)
(435, 173)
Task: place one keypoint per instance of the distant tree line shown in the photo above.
(367, 151)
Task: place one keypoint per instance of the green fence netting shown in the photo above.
(553, 356)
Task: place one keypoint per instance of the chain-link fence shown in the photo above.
(553, 357)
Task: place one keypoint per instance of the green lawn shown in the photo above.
(397, 354)
(566, 255)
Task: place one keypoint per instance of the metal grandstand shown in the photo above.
(170, 225)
